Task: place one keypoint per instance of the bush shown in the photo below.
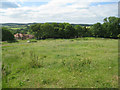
(7, 35)
(118, 36)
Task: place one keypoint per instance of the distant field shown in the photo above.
(61, 63)
(15, 28)
(18, 28)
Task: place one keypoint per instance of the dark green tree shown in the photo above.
(111, 27)
(62, 33)
(85, 31)
(78, 31)
(7, 35)
(56, 30)
(47, 30)
(36, 30)
(69, 31)
(98, 30)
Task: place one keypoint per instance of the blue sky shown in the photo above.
(42, 3)
(71, 11)
(28, 4)
(102, 3)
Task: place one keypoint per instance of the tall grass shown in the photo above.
(61, 63)
(36, 62)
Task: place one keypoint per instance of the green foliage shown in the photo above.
(36, 30)
(47, 30)
(118, 36)
(98, 30)
(7, 35)
(69, 31)
(109, 29)
(78, 30)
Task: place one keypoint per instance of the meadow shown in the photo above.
(60, 63)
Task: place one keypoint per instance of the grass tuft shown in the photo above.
(35, 60)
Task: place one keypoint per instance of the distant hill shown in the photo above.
(14, 24)
(11, 24)
(82, 24)
(74, 24)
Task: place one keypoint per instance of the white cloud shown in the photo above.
(60, 0)
(72, 11)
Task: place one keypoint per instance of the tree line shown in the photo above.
(109, 29)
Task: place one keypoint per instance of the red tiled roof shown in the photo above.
(23, 35)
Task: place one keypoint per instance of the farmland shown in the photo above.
(60, 63)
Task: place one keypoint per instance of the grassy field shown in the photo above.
(61, 63)
(18, 28)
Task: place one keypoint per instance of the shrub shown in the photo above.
(118, 36)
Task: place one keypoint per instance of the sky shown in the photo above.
(71, 11)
